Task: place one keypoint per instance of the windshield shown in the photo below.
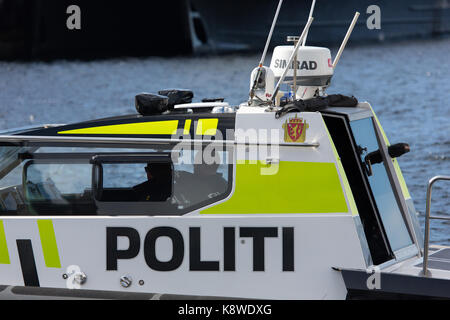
(386, 203)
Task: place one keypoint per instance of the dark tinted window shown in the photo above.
(62, 181)
(393, 221)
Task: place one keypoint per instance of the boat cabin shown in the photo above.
(254, 198)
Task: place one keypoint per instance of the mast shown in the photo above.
(311, 11)
(263, 57)
(344, 42)
(291, 58)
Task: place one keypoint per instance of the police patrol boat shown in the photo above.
(294, 194)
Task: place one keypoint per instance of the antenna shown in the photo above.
(291, 58)
(261, 62)
(311, 11)
(344, 42)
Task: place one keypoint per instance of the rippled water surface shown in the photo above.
(407, 83)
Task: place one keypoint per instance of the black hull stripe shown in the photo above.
(27, 263)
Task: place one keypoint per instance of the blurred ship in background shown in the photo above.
(243, 24)
(37, 29)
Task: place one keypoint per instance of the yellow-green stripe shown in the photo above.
(155, 127)
(297, 187)
(207, 127)
(48, 241)
(187, 126)
(4, 255)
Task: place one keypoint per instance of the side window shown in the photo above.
(86, 180)
(49, 181)
(197, 183)
(57, 187)
(143, 179)
(161, 187)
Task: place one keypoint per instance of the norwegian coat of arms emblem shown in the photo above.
(295, 130)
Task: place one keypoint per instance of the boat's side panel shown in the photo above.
(270, 257)
(286, 223)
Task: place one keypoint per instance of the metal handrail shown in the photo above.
(144, 141)
(428, 217)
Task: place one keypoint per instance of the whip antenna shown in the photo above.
(258, 74)
(291, 58)
(344, 42)
(311, 11)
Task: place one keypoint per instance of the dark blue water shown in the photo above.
(407, 83)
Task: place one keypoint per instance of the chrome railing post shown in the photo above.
(427, 226)
(428, 217)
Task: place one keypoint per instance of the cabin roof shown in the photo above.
(156, 126)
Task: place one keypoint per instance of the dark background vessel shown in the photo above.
(237, 24)
(37, 28)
